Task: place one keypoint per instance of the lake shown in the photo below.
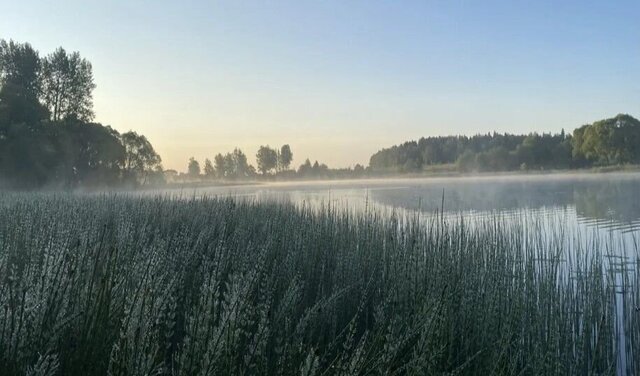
(607, 202)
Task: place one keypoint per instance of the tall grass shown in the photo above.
(138, 286)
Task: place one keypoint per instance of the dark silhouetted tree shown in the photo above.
(285, 156)
(267, 159)
(219, 165)
(233, 165)
(193, 168)
(140, 157)
(98, 154)
(20, 84)
(240, 167)
(209, 171)
(67, 86)
(305, 169)
(73, 151)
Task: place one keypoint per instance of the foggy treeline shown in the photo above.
(272, 164)
(48, 138)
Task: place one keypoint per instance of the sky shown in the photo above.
(339, 80)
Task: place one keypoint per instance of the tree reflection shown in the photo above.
(614, 197)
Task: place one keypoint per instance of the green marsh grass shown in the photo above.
(117, 285)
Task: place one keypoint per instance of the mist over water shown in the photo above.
(609, 202)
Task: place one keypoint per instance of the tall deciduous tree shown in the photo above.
(242, 169)
(267, 159)
(209, 171)
(233, 165)
(20, 64)
(193, 168)
(305, 168)
(20, 84)
(609, 141)
(219, 165)
(285, 157)
(67, 86)
(98, 153)
(73, 153)
(140, 157)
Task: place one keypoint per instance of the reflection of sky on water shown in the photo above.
(605, 201)
(597, 200)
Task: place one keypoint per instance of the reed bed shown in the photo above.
(117, 285)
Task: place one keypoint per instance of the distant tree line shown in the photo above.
(272, 164)
(47, 133)
(48, 139)
(614, 141)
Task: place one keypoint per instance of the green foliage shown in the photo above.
(498, 152)
(233, 165)
(317, 170)
(67, 86)
(68, 151)
(20, 64)
(193, 168)
(267, 159)
(285, 156)
(71, 154)
(609, 141)
(20, 84)
(305, 168)
(209, 171)
(108, 285)
(140, 159)
(67, 154)
(219, 165)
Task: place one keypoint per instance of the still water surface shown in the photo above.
(607, 202)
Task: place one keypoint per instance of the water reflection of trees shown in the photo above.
(618, 200)
(612, 198)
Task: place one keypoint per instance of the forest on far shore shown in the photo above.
(49, 139)
(614, 141)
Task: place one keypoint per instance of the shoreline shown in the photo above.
(594, 171)
(274, 181)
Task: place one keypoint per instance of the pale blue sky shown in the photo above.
(338, 80)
